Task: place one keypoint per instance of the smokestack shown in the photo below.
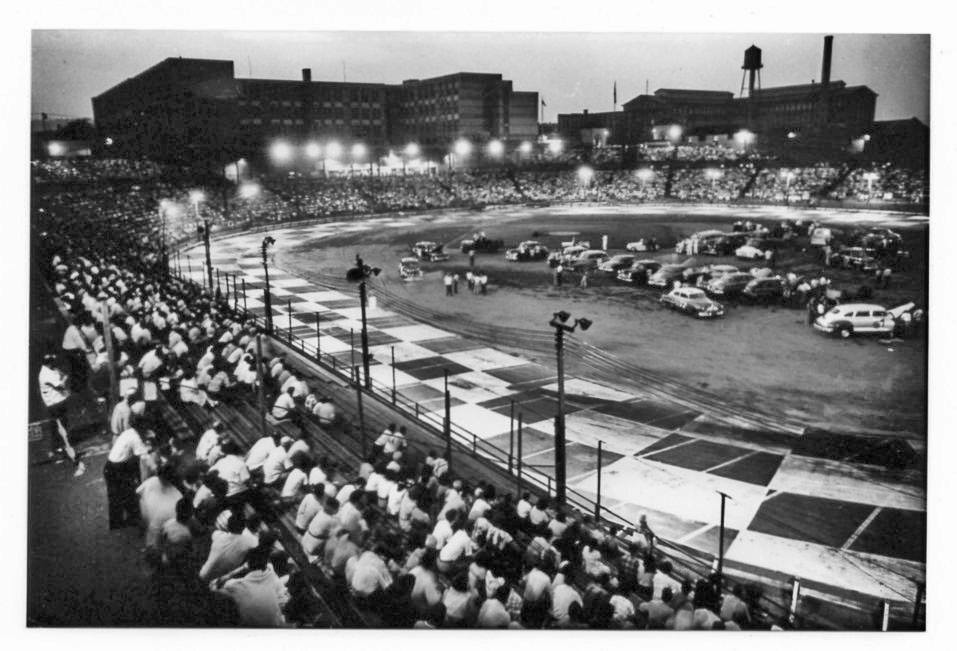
(307, 74)
(826, 63)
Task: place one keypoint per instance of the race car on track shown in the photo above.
(481, 243)
(429, 252)
(526, 251)
(638, 272)
(409, 269)
(693, 301)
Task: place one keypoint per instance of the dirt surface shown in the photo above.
(757, 356)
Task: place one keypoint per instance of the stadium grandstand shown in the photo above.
(272, 489)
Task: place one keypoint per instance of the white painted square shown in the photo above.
(473, 387)
(288, 282)
(404, 352)
(325, 295)
(687, 494)
(417, 333)
(485, 359)
(356, 312)
(482, 422)
(382, 374)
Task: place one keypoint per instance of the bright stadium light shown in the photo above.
(674, 132)
(55, 148)
(713, 174)
(333, 150)
(249, 190)
(412, 150)
(645, 174)
(280, 152)
(496, 149)
(525, 148)
(585, 174)
(108, 141)
(867, 137)
(196, 196)
(358, 151)
(744, 137)
(463, 147)
(313, 150)
(555, 146)
(792, 135)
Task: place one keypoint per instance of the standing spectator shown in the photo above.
(583, 283)
(886, 278)
(455, 283)
(470, 280)
(447, 279)
(122, 472)
(55, 393)
(76, 347)
(483, 283)
(471, 258)
(558, 274)
(158, 499)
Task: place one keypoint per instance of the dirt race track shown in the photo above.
(758, 358)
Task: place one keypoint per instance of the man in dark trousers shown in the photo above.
(471, 258)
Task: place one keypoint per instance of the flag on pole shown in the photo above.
(614, 94)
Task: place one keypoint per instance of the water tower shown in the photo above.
(752, 68)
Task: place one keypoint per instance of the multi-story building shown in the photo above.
(826, 112)
(188, 108)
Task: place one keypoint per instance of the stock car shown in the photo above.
(849, 318)
(588, 260)
(693, 301)
(855, 257)
(764, 288)
(409, 269)
(527, 250)
(429, 252)
(729, 284)
(667, 274)
(481, 243)
(616, 263)
(637, 273)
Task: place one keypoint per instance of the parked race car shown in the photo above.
(526, 251)
(429, 252)
(409, 269)
(567, 255)
(480, 243)
(764, 288)
(850, 318)
(693, 301)
(666, 275)
(749, 252)
(588, 260)
(638, 272)
(855, 257)
(616, 263)
(729, 284)
(642, 245)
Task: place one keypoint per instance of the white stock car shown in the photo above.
(693, 301)
(849, 318)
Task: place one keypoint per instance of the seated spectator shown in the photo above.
(228, 550)
(259, 594)
(158, 499)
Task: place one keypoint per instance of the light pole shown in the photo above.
(360, 273)
(560, 323)
(164, 252)
(267, 299)
(724, 497)
(196, 196)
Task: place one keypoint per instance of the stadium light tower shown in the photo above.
(525, 148)
(560, 321)
(460, 149)
(313, 150)
(496, 149)
(360, 273)
(410, 152)
(674, 133)
(281, 152)
(555, 147)
(196, 197)
(249, 190)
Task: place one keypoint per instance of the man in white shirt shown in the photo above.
(228, 549)
(232, 468)
(208, 441)
(274, 467)
(285, 406)
(258, 453)
(55, 392)
(259, 595)
(122, 474)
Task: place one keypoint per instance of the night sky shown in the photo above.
(571, 71)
